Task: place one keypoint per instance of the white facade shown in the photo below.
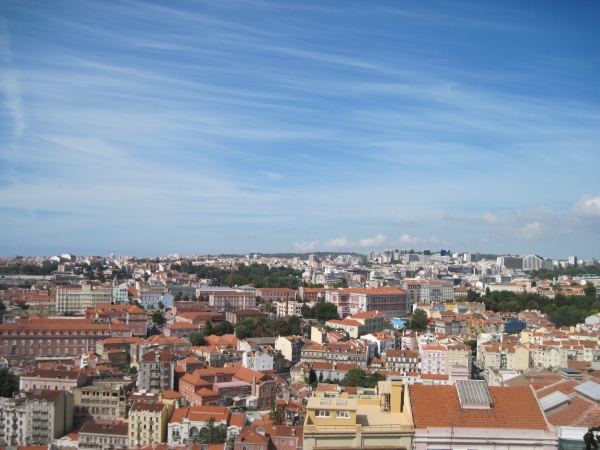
(258, 361)
(13, 416)
(78, 299)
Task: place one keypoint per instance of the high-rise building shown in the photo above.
(510, 262)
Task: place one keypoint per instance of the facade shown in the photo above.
(390, 301)
(49, 416)
(131, 315)
(180, 330)
(104, 400)
(291, 347)
(232, 300)
(429, 291)
(56, 379)
(157, 370)
(24, 342)
(148, 423)
(187, 423)
(104, 434)
(13, 417)
(339, 352)
(433, 360)
(368, 422)
(78, 299)
(257, 360)
(403, 361)
(510, 262)
(273, 294)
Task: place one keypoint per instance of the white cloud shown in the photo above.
(373, 242)
(531, 230)
(489, 218)
(587, 206)
(340, 242)
(306, 246)
(410, 240)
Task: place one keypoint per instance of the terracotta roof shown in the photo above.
(147, 407)
(439, 406)
(48, 395)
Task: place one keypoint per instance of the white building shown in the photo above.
(13, 416)
(78, 299)
(257, 360)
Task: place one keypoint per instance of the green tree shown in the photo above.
(294, 326)
(196, 339)
(161, 305)
(186, 298)
(590, 290)
(311, 376)
(9, 383)
(354, 377)
(418, 321)
(211, 434)
(208, 328)
(22, 305)
(269, 306)
(277, 414)
(158, 318)
(224, 328)
(132, 372)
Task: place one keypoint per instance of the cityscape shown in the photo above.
(402, 349)
(299, 225)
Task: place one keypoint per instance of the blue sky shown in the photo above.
(146, 128)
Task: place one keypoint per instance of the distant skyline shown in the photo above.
(149, 128)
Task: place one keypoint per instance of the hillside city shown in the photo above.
(402, 349)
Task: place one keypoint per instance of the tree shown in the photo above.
(473, 344)
(208, 328)
(161, 305)
(22, 305)
(186, 298)
(224, 328)
(177, 297)
(590, 290)
(294, 325)
(197, 339)
(311, 376)
(132, 372)
(158, 318)
(269, 306)
(418, 321)
(9, 383)
(592, 438)
(211, 434)
(277, 415)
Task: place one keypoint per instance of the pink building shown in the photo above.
(433, 360)
(53, 379)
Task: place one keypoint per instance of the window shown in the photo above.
(322, 413)
(342, 414)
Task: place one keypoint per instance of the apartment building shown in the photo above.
(157, 370)
(13, 422)
(403, 361)
(291, 347)
(429, 291)
(104, 434)
(370, 421)
(345, 352)
(49, 415)
(102, 400)
(78, 299)
(274, 294)
(148, 423)
(433, 360)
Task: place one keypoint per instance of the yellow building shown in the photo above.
(371, 421)
(148, 423)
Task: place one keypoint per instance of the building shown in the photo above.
(470, 415)
(274, 294)
(429, 291)
(148, 423)
(187, 423)
(38, 338)
(433, 360)
(157, 370)
(13, 417)
(402, 361)
(257, 360)
(104, 434)
(510, 262)
(368, 421)
(391, 301)
(103, 400)
(131, 315)
(49, 415)
(56, 379)
(339, 352)
(291, 347)
(232, 300)
(180, 330)
(236, 316)
(78, 299)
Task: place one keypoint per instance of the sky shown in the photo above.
(199, 127)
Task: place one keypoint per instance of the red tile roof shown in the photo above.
(439, 406)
